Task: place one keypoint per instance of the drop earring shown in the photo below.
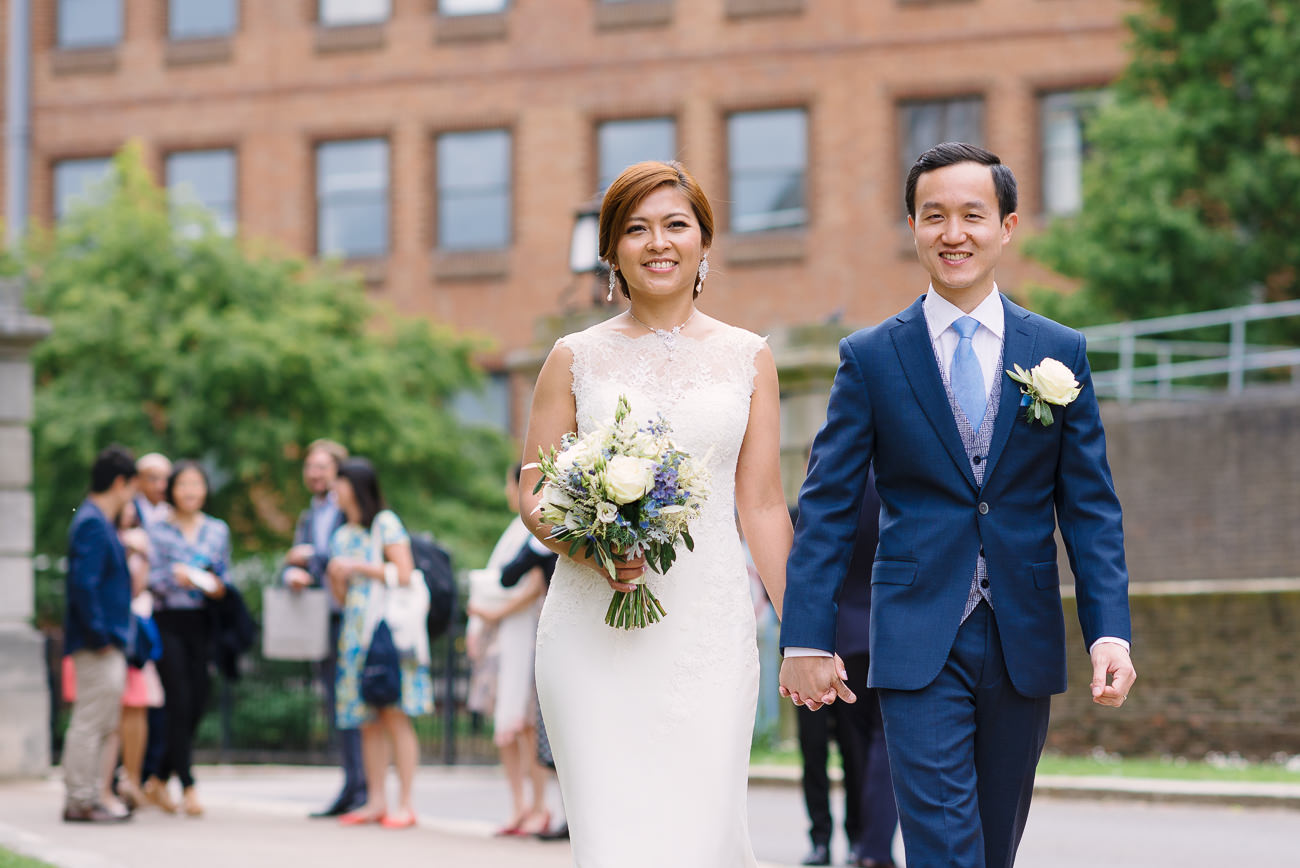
(613, 282)
(704, 272)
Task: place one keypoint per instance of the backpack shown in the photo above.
(434, 561)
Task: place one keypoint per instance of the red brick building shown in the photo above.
(444, 146)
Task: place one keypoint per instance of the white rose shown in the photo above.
(628, 478)
(606, 512)
(1054, 382)
(553, 495)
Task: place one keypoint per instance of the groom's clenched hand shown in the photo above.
(815, 681)
(1110, 662)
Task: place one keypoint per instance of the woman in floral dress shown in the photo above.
(372, 537)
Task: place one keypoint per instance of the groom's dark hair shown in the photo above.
(951, 153)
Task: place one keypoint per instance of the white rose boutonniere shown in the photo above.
(1049, 382)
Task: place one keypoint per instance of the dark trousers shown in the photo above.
(963, 751)
(187, 649)
(349, 740)
(870, 815)
(156, 747)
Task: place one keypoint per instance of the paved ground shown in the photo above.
(256, 817)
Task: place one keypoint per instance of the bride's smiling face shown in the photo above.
(661, 246)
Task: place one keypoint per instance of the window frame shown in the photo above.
(599, 123)
(61, 44)
(174, 37)
(1095, 94)
(318, 202)
(511, 187)
(904, 156)
(233, 151)
(804, 109)
(323, 20)
(56, 216)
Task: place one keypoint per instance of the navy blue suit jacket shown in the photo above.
(852, 624)
(888, 406)
(98, 609)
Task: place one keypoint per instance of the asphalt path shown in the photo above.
(256, 816)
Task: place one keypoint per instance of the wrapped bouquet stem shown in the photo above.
(623, 490)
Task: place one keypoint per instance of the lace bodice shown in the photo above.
(701, 386)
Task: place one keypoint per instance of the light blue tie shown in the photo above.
(967, 379)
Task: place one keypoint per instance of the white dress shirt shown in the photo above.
(940, 314)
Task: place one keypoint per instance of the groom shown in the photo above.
(967, 631)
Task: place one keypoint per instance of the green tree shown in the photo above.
(1190, 191)
(183, 342)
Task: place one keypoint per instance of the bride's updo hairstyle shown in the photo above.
(634, 184)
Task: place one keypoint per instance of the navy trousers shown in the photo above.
(963, 751)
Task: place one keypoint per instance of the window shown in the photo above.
(488, 406)
(352, 198)
(207, 179)
(201, 19)
(75, 183)
(342, 13)
(622, 143)
(474, 190)
(767, 153)
(89, 23)
(1062, 117)
(471, 7)
(922, 125)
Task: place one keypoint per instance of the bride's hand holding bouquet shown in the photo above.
(625, 495)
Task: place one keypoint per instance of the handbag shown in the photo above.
(405, 608)
(381, 676)
(296, 624)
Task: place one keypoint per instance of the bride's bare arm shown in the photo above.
(760, 500)
(553, 415)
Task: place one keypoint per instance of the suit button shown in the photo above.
(984, 583)
(983, 508)
(977, 459)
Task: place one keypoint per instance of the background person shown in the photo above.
(870, 815)
(193, 560)
(506, 639)
(372, 536)
(95, 630)
(305, 566)
(153, 470)
(143, 686)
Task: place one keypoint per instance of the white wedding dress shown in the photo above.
(651, 728)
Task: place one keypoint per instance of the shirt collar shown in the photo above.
(327, 499)
(941, 313)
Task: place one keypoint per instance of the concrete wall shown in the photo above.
(24, 695)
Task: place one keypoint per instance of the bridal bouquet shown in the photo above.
(623, 490)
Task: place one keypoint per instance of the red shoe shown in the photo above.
(361, 818)
(406, 822)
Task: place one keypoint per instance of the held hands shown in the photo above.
(1110, 662)
(815, 681)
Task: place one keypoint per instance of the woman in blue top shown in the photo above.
(191, 563)
(371, 537)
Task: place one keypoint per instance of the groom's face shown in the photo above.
(958, 232)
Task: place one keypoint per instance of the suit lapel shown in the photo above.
(916, 352)
(1017, 349)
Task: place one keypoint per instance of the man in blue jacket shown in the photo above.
(975, 477)
(95, 630)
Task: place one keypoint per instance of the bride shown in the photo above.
(650, 728)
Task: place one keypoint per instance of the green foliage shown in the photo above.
(1190, 191)
(184, 343)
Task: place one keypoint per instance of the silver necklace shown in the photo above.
(668, 336)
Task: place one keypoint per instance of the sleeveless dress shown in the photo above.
(651, 728)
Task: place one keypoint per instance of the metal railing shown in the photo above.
(1138, 360)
